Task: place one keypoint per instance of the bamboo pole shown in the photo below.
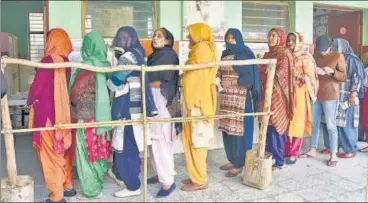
(6, 60)
(267, 107)
(132, 122)
(145, 128)
(9, 143)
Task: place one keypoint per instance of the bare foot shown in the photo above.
(166, 187)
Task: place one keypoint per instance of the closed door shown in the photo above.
(347, 26)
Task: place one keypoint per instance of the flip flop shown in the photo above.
(306, 155)
(365, 149)
(226, 167)
(82, 197)
(230, 175)
(325, 151)
(347, 155)
(186, 181)
(290, 162)
(331, 163)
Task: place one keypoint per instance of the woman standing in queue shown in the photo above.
(241, 94)
(49, 103)
(199, 88)
(301, 122)
(282, 95)
(164, 89)
(90, 103)
(128, 140)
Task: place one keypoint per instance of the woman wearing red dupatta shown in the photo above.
(282, 94)
(49, 103)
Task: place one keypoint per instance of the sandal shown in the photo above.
(325, 151)
(82, 197)
(290, 162)
(230, 174)
(331, 163)
(226, 167)
(186, 181)
(347, 155)
(306, 155)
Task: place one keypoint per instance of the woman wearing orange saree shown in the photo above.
(282, 95)
(199, 89)
(301, 121)
(49, 103)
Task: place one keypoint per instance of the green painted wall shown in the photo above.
(365, 27)
(170, 16)
(14, 19)
(66, 15)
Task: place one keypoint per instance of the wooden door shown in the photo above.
(347, 26)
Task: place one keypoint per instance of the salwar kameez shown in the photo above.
(48, 100)
(90, 173)
(56, 168)
(127, 164)
(168, 106)
(90, 103)
(347, 120)
(199, 89)
(161, 149)
(127, 105)
(241, 93)
(283, 97)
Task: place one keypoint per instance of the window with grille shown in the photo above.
(36, 36)
(108, 16)
(260, 17)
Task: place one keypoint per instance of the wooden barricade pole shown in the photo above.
(9, 143)
(14, 188)
(258, 167)
(145, 129)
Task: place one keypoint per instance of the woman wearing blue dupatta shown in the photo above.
(128, 141)
(241, 94)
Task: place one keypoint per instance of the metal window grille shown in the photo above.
(36, 36)
(260, 17)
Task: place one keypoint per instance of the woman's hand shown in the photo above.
(156, 84)
(226, 84)
(352, 98)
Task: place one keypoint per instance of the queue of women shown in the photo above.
(327, 85)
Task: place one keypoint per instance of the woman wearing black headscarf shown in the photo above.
(127, 141)
(164, 89)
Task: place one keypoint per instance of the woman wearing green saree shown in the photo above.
(90, 103)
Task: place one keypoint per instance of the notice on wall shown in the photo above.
(209, 12)
(108, 20)
(184, 50)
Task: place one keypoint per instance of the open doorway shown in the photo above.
(339, 22)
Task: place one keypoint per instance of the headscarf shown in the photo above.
(286, 83)
(94, 52)
(202, 80)
(58, 45)
(354, 65)
(168, 36)
(304, 59)
(248, 74)
(135, 48)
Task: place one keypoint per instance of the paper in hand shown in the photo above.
(320, 71)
